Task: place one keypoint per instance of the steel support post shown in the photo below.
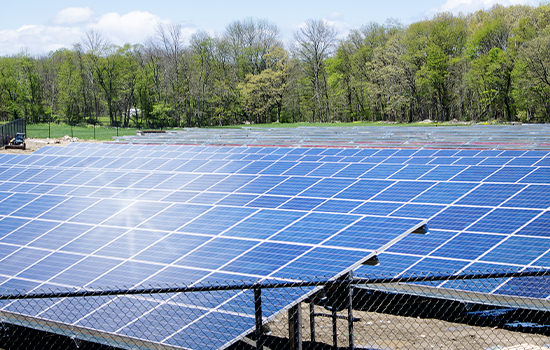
(350, 314)
(295, 327)
(312, 320)
(334, 328)
(258, 314)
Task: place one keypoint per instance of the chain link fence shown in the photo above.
(482, 310)
(9, 130)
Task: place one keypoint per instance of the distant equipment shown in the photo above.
(18, 142)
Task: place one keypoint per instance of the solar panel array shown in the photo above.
(132, 214)
(529, 136)
(98, 215)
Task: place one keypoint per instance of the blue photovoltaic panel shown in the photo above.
(327, 169)
(267, 202)
(509, 174)
(25, 232)
(421, 245)
(364, 189)
(418, 211)
(293, 186)
(354, 170)
(306, 204)
(403, 191)
(539, 227)
(369, 233)
(505, 221)
(534, 196)
(327, 188)
(518, 250)
(314, 228)
(261, 184)
(478, 173)
(457, 218)
(445, 192)
(338, 206)
(263, 224)
(376, 208)
(382, 171)
(490, 194)
(540, 175)
(113, 214)
(411, 172)
(461, 247)
(419, 160)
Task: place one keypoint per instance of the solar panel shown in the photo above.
(111, 219)
(319, 214)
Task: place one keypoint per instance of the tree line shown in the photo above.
(491, 64)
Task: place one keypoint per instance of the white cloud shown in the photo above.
(469, 6)
(342, 27)
(38, 38)
(335, 15)
(133, 27)
(73, 15)
(71, 24)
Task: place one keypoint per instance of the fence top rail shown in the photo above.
(313, 282)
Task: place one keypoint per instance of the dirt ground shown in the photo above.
(35, 144)
(388, 332)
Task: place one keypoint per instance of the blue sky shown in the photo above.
(42, 26)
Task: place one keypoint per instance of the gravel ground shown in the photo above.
(35, 144)
(389, 332)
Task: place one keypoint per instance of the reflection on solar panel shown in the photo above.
(95, 215)
(202, 214)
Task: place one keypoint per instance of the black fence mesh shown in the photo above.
(475, 310)
(8, 131)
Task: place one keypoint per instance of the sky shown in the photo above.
(39, 27)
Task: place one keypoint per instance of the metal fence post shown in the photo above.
(295, 327)
(312, 320)
(258, 314)
(350, 313)
(334, 328)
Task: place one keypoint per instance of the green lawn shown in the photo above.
(82, 132)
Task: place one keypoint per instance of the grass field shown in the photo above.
(55, 131)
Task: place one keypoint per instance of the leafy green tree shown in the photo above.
(70, 84)
(10, 94)
(313, 45)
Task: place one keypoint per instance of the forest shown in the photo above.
(489, 65)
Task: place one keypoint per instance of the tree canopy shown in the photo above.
(491, 64)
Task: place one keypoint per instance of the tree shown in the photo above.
(534, 73)
(10, 94)
(203, 47)
(313, 44)
(69, 82)
(267, 89)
